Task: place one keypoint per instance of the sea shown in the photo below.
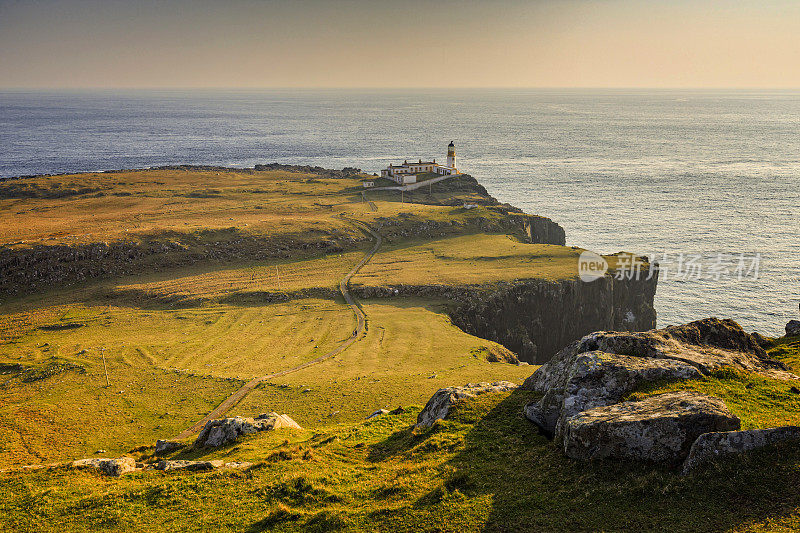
(706, 182)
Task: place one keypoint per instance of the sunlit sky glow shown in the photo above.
(377, 43)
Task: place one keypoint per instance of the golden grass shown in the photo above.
(469, 259)
(216, 340)
(269, 276)
(411, 349)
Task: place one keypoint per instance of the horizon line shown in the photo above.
(404, 88)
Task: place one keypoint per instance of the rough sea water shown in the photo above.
(671, 174)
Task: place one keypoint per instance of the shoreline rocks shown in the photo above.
(793, 328)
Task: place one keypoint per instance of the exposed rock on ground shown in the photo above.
(604, 366)
(378, 413)
(793, 328)
(658, 428)
(707, 344)
(440, 403)
(225, 430)
(166, 446)
(188, 465)
(594, 379)
(109, 467)
(710, 446)
(583, 384)
(198, 466)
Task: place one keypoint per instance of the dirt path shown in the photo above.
(236, 397)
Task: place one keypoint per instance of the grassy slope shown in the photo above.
(483, 469)
(209, 320)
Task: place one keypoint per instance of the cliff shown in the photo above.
(536, 318)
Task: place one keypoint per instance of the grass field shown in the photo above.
(485, 468)
(472, 259)
(132, 204)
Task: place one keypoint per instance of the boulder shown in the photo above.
(166, 446)
(108, 467)
(225, 430)
(658, 428)
(710, 446)
(198, 466)
(707, 344)
(193, 466)
(440, 403)
(793, 328)
(594, 379)
(378, 413)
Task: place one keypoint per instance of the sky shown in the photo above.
(48, 44)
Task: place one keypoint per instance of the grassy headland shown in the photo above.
(181, 284)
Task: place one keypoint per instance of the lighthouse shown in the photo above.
(451, 155)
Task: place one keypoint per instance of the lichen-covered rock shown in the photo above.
(594, 379)
(198, 466)
(166, 446)
(710, 446)
(440, 403)
(793, 328)
(109, 467)
(225, 430)
(658, 428)
(707, 344)
(603, 366)
(193, 466)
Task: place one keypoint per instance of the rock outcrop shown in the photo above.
(593, 379)
(226, 430)
(109, 467)
(707, 344)
(198, 466)
(440, 403)
(583, 384)
(658, 428)
(793, 328)
(166, 446)
(604, 366)
(710, 446)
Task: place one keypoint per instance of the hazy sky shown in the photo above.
(378, 43)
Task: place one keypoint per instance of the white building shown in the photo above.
(407, 172)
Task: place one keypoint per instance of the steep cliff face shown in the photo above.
(27, 270)
(536, 318)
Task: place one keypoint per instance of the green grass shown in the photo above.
(758, 401)
(410, 350)
(484, 469)
(74, 414)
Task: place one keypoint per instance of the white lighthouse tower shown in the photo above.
(451, 155)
